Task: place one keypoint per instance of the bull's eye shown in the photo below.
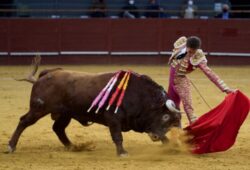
(165, 118)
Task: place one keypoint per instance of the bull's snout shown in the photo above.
(177, 120)
(154, 137)
(178, 116)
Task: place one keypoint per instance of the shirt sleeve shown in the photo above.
(213, 76)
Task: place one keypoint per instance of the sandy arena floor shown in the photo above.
(39, 148)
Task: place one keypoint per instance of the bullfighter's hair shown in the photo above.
(194, 42)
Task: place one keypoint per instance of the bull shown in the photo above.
(67, 95)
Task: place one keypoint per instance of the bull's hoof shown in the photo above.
(10, 149)
(72, 148)
(123, 155)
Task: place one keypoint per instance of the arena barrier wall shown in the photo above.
(122, 41)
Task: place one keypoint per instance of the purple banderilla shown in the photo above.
(94, 103)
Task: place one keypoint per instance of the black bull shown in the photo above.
(67, 95)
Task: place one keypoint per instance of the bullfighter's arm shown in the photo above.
(214, 78)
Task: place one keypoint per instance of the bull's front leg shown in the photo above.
(116, 134)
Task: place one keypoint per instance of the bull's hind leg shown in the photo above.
(59, 128)
(26, 120)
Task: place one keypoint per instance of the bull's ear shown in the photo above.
(165, 117)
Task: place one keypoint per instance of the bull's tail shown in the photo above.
(30, 78)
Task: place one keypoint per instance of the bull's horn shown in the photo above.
(171, 106)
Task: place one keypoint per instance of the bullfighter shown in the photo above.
(186, 57)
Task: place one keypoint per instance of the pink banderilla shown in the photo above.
(94, 103)
(103, 100)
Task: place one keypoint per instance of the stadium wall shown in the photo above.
(123, 41)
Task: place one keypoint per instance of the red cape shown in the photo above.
(217, 130)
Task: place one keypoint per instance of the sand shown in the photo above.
(39, 148)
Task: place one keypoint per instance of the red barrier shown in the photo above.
(109, 36)
(33, 35)
(83, 35)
